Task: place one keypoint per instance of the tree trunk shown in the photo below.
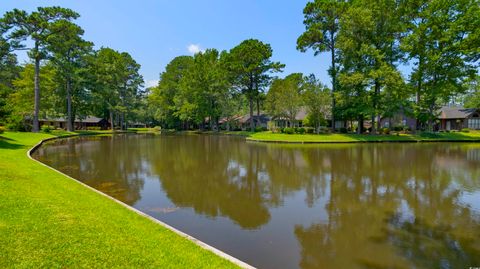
(252, 123)
(111, 121)
(258, 110)
(360, 125)
(69, 107)
(375, 105)
(334, 86)
(36, 109)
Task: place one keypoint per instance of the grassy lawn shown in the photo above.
(47, 220)
(349, 138)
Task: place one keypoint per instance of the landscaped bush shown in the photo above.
(301, 130)
(288, 130)
(343, 130)
(157, 128)
(399, 128)
(2, 129)
(94, 128)
(465, 130)
(309, 130)
(47, 128)
(258, 129)
(385, 131)
(323, 130)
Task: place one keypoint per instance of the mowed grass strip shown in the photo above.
(349, 138)
(49, 221)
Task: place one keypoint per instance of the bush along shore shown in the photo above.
(49, 220)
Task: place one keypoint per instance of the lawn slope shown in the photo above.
(47, 220)
(355, 138)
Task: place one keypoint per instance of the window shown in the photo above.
(474, 123)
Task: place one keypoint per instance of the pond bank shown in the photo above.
(49, 220)
(472, 136)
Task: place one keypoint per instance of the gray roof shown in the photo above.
(88, 119)
(456, 112)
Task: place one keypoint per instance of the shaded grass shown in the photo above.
(49, 221)
(349, 138)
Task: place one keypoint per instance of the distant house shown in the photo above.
(456, 118)
(79, 124)
(282, 122)
(231, 123)
(260, 121)
(398, 119)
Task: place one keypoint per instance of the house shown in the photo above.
(398, 119)
(231, 123)
(456, 118)
(79, 124)
(282, 122)
(260, 121)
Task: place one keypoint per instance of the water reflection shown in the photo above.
(327, 206)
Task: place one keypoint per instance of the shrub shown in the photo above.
(258, 129)
(94, 128)
(301, 130)
(288, 130)
(385, 131)
(157, 128)
(2, 129)
(47, 128)
(465, 130)
(309, 130)
(323, 130)
(343, 130)
(398, 128)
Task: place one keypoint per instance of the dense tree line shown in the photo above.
(368, 43)
(368, 40)
(66, 76)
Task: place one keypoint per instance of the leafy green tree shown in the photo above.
(39, 26)
(9, 71)
(442, 42)
(161, 100)
(117, 83)
(284, 99)
(317, 100)
(203, 87)
(250, 69)
(369, 51)
(322, 22)
(472, 99)
(20, 101)
(68, 55)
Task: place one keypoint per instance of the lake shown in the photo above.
(388, 205)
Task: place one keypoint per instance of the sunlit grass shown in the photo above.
(279, 137)
(49, 221)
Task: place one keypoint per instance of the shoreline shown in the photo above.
(190, 238)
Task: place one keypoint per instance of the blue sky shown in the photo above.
(154, 32)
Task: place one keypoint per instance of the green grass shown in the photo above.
(351, 138)
(49, 221)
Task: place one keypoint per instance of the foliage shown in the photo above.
(2, 129)
(439, 41)
(288, 130)
(40, 26)
(47, 128)
(250, 69)
(284, 99)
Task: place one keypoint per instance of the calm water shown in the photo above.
(295, 206)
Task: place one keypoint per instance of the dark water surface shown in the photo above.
(295, 206)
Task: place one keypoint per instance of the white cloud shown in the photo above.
(194, 48)
(151, 83)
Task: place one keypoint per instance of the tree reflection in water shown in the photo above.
(364, 206)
